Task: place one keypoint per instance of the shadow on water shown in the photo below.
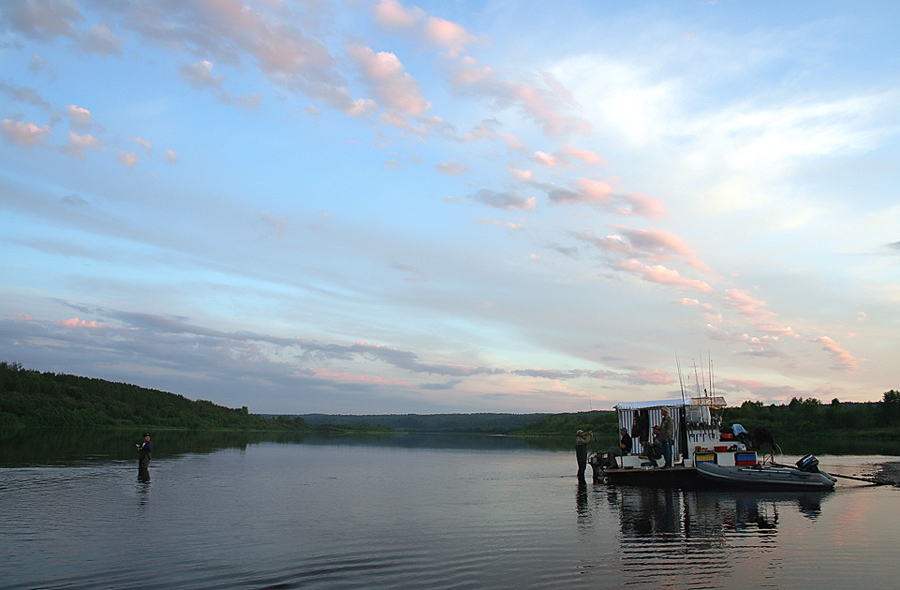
(73, 447)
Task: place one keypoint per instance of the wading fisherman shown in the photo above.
(582, 439)
(145, 449)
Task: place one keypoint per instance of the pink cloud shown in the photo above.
(450, 35)
(433, 30)
(545, 159)
(512, 142)
(654, 244)
(586, 191)
(775, 329)
(747, 305)
(523, 175)
(645, 206)
(662, 275)
(650, 377)
(384, 73)
(79, 143)
(585, 156)
(128, 159)
(392, 14)
(546, 101)
(79, 323)
(841, 359)
(27, 135)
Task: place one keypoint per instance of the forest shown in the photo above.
(33, 400)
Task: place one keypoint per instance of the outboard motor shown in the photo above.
(808, 463)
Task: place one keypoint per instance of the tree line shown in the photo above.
(35, 400)
(32, 399)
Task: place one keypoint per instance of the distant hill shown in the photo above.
(30, 399)
(480, 422)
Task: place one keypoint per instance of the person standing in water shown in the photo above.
(145, 450)
(582, 439)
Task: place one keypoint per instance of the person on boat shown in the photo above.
(620, 451)
(582, 439)
(654, 449)
(145, 449)
(667, 436)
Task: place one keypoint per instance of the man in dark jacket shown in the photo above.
(145, 450)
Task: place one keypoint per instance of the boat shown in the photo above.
(703, 455)
(805, 476)
(696, 428)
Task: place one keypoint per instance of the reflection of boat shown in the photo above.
(805, 476)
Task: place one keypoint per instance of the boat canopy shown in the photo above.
(714, 401)
(669, 403)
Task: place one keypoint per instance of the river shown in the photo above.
(424, 512)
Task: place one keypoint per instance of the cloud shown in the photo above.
(841, 359)
(101, 40)
(392, 14)
(389, 81)
(79, 143)
(447, 34)
(78, 323)
(545, 159)
(544, 99)
(586, 191)
(746, 304)
(652, 245)
(128, 159)
(504, 200)
(452, 168)
(171, 157)
(79, 118)
(24, 94)
(435, 31)
(44, 20)
(662, 275)
(146, 144)
(199, 75)
(27, 135)
(37, 65)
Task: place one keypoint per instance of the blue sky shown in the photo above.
(386, 207)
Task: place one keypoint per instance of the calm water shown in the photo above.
(425, 513)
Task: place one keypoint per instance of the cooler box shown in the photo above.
(705, 458)
(745, 458)
(725, 459)
(629, 462)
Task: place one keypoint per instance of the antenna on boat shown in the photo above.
(680, 378)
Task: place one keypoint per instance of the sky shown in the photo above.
(378, 206)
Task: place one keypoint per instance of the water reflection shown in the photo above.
(78, 447)
(696, 536)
